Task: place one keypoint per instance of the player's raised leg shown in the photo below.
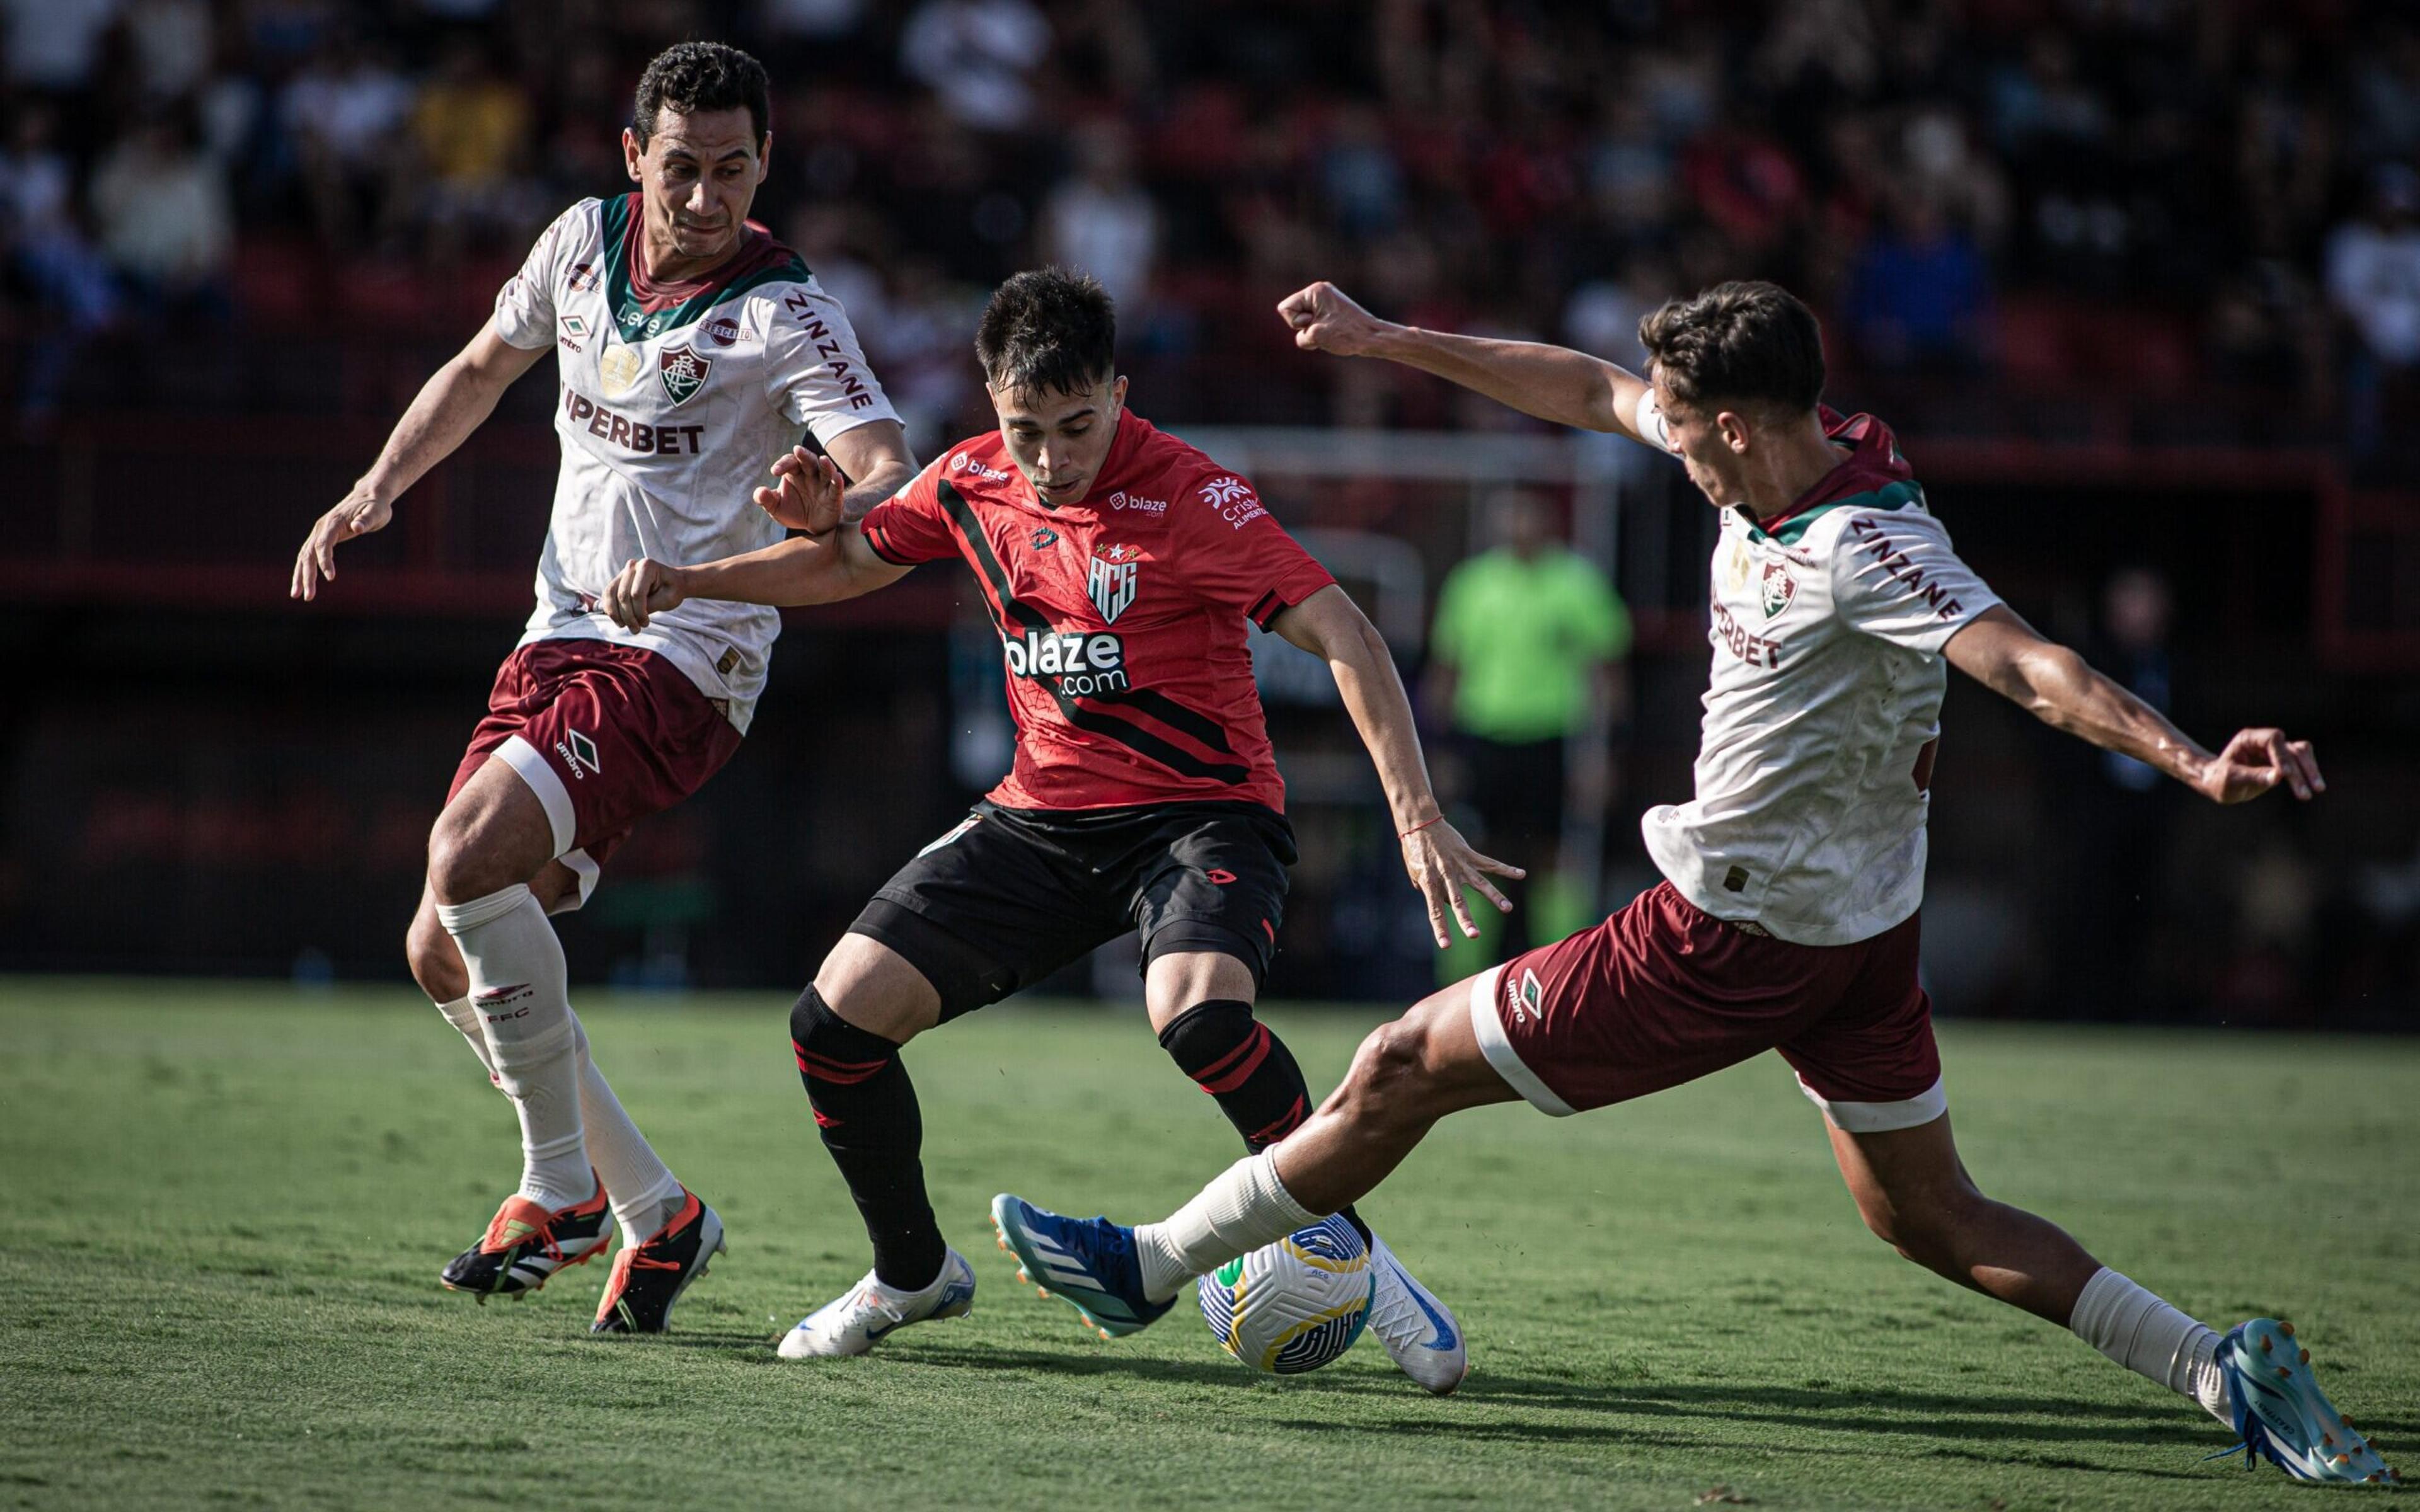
(1914, 1194)
(847, 1031)
(1406, 1076)
(491, 838)
(1200, 1005)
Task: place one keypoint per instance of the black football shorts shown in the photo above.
(1011, 895)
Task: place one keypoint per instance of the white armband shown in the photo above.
(1650, 423)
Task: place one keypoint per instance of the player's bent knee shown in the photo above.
(1388, 1083)
(435, 963)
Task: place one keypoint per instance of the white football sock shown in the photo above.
(2152, 1339)
(465, 1017)
(1244, 1208)
(644, 1193)
(517, 985)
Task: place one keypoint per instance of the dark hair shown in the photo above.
(1049, 330)
(689, 77)
(1741, 341)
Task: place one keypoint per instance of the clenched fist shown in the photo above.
(644, 588)
(1325, 319)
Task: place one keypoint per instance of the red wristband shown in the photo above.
(1417, 828)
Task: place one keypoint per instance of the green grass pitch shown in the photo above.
(225, 1208)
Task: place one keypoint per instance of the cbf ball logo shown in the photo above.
(1112, 578)
(683, 372)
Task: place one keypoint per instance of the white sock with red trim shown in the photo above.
(644, 1193)
(1242, 1208)
(2149, 1337)
(517, 985)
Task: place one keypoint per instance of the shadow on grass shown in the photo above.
(2005, 1430)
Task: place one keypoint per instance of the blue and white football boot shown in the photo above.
(1420, 1334)
(1087, 1263)
(2281, 1413)
(869, 1312)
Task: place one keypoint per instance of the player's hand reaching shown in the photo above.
(358, 515)
(1442, 864)
(1325, 319)
(2255, 761)
(806, 493)
(644, 588)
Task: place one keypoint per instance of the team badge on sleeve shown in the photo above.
(683, 372)
(1112, 578)
(1779, 589)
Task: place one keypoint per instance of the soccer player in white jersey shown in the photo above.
(692, 349)
(1787, 919)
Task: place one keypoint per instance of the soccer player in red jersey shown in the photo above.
(1787, 917)
(1121, 567)
(692, 348)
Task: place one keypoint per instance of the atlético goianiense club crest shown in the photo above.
(1113, 579)
(683, 372)
(1779, 589)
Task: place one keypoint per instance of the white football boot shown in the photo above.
(863, 1316)
(1419, 1331)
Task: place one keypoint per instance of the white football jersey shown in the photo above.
(1816, 752)
(674, 399)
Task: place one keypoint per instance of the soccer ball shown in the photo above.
(1293, 1305)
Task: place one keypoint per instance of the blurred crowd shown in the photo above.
(2145, 195)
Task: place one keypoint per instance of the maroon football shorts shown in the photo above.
(605, 734)
(1664, 992)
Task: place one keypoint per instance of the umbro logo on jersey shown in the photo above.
(575, 331)
(683, 372)
(1044, 538)
(1112, 578)
(1778, 587)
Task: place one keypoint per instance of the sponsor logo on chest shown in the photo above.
(1072, 662)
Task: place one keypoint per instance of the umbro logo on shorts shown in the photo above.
(1526, 997)
(577, 751)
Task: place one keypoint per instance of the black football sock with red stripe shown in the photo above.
(865, 1108)
(1236, 1058)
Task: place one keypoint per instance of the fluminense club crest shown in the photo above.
(1779, 589)
(1112, 581)
(683, 372)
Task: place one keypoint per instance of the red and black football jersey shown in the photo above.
(1121, 618)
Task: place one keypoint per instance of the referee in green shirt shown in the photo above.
(1527, 653)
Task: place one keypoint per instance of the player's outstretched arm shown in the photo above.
(1555, 383)
(449, 407)
(2005, 655)
(1332, 627)
(830, 562)
(874, 460)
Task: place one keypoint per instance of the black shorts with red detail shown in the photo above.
(1011, 895)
